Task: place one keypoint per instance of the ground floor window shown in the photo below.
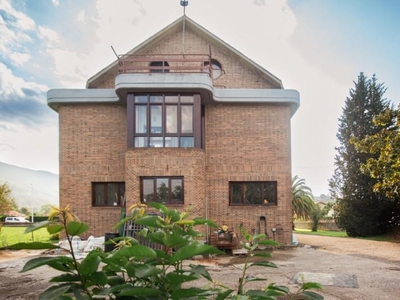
(253, 193)
(167, 190)
(108, 193)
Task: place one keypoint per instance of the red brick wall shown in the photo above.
(92, 148)
(249, 143)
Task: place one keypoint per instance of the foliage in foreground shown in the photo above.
(135, 271)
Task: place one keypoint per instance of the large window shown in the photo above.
(108, 193)
(167, 190)
(253, 193)
(161, 120)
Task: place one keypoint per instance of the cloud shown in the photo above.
(22, 102)
(55, 2)
(47, 34)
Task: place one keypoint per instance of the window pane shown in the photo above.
(187, 118)
(176, 191)
(112, 194)
(99, 194)
(236, 193)
(269, 193)
(187, 142)
(172, 118)
(186, 99)
(171, 142)
(141, 119)
(141, 99)
(162, 190)
(148, 190)
(140, 142)
(171, 99)
(156, 124)
(156, 99)
(156, 142)
(253, 193)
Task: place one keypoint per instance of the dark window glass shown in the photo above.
(162, 67)
(108, 193)
(167, 190)
(253, 193)
(165, 121)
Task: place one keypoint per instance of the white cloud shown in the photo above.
(21, 20)
(19, 59)
(81, 16)
(55, 2)
(47, 34)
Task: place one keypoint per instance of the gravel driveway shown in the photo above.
(375, 266)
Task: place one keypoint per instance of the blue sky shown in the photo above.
(317, 47)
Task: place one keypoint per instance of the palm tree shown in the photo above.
(303, 200)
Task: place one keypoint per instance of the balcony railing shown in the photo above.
(166, 63)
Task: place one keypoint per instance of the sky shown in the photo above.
(318, 47)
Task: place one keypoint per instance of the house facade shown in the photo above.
(183, 119)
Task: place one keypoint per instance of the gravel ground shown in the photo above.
(375, 266)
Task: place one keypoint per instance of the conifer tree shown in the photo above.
(359, 210)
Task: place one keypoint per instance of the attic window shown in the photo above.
(216, 68)
(159, 67)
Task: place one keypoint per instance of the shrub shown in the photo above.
(135, 271)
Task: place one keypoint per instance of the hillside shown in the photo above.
(30, 187)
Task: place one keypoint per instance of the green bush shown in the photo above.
(135, 271)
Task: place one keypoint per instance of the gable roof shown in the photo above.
(202, 32)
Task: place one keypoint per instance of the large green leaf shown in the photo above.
(139, 291)
(252, 278)
(76, 228)
(150, 221)
(223, 295)
(89, 264)
(203, 221)
(311, 285)
(268, 242)
(259, 294)
(99, 278)
(264, 264)
(312, 295)
(42, 261)
(33, 245)
(200, 270)
(262, 254)
(67, 277)
(161, 207)
(174, 239)
(193, 249)
(175, 279)
(38, 225)
(192, 293)
(54, 228)
(54, 292)
(137, 251)
(157, 237)
(145, 271)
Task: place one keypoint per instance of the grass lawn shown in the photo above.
(323, 233)
(12, 235)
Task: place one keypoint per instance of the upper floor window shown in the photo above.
(159, 67)
(253, 193)
(167, 190)
(108, 193)
(164, 120)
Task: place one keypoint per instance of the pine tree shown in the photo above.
(358, 209)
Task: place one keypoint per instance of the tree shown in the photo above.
(7, 202)
(45, 209)
(303, 200)
(358, 208)
(24, 210)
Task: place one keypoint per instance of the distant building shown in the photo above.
(183, 119)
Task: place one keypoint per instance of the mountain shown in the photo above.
(29, 187)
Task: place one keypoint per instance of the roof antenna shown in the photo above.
(184, 4)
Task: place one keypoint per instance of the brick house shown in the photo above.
(184, 119)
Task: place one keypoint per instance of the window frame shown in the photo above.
(154, 178)
(121, 193)
(273, 202)
(196, 115)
